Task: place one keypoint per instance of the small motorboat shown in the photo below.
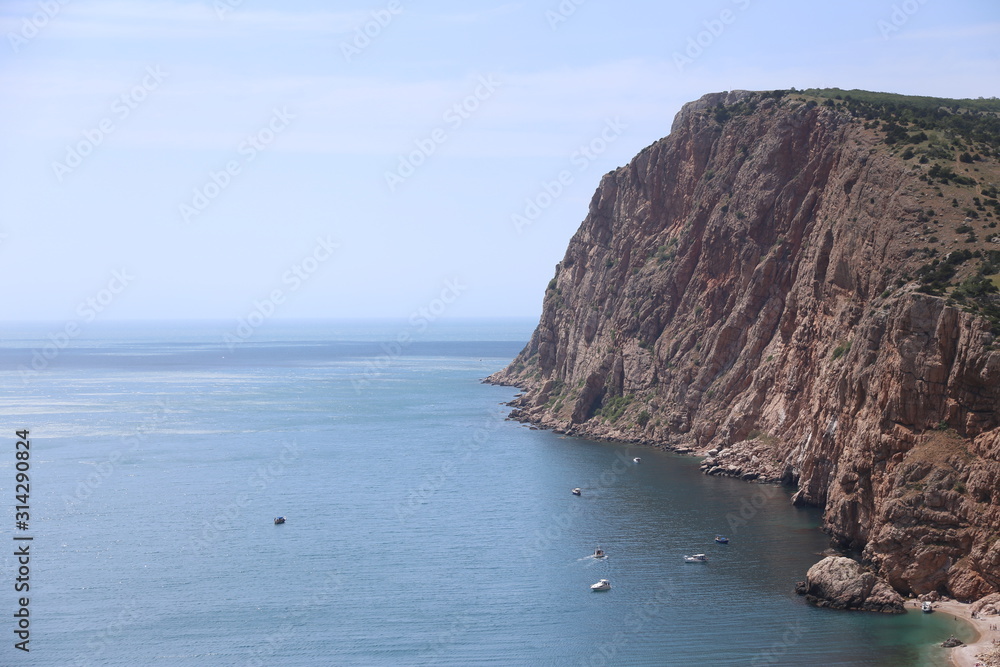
(602, 585)
(576, 491)
(696, 558)
(637, 460)
(599, 553)
(279, 520)
(722, 539)
(926, 607)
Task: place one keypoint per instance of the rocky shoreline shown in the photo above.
(735, 462)
(984, 616)
(835, 582)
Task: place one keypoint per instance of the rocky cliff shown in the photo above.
(800, 287)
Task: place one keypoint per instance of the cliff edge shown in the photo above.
(801, 287)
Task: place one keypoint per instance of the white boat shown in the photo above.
(602, 585)
(696, 558)
(599, 553)
(637, 460)
(926, 607)
(576, 491)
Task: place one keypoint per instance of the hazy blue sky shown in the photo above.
(208, 159)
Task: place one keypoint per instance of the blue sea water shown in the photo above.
(422, 528)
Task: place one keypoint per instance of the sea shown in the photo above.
(422, 527)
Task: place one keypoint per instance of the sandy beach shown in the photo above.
(966, 656)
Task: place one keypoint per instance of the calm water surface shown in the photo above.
(423, 529)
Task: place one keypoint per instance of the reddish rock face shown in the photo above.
(743, 287)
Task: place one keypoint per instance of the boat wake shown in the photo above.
(592, 559)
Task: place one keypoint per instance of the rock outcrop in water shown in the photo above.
(841, 583)
(800, 289)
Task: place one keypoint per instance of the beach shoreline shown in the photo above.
(966, 656)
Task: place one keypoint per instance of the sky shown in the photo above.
(227, 159)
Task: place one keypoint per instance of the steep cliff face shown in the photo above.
(746, 288)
